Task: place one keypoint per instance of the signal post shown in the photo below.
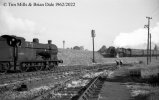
(93, 36)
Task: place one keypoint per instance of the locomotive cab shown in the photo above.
(8, 51)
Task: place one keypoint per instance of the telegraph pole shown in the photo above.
(148, 27)
(63, 44)
(155, 49)
(93, 35)
(150, 47)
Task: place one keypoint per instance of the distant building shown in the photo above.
(78, 48)
(81, 47)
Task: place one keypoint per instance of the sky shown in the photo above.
(118, 23)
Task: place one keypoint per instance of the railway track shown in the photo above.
(87, 91)
(68, 92)
(54, 89)
(27, 78)
(55, 82)
(9, 81)
(66, 74)
(11, 77)
(91, 91)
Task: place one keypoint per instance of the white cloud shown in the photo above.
(12, 25)
(137, 39)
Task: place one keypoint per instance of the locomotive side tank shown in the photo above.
(19, 54)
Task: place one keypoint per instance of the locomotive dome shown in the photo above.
(35, 40)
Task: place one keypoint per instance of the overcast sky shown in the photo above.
(118, 23)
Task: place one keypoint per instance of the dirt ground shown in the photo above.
(114, 91)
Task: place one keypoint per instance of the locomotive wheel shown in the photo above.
(52, 66)
(55, 64)
(43, 66)
(47, 66)
(24, 67)
(39, 67)
(4, 68)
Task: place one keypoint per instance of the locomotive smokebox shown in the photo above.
(49, 42)
(35, 40)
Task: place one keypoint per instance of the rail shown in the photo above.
(92, 90)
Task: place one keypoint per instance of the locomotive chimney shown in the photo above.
(49, 42)
(35, 40)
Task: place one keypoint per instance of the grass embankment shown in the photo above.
(78, 57)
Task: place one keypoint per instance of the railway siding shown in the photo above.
(48, 80)
(73, 87)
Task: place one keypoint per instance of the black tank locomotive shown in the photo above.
(18, 54)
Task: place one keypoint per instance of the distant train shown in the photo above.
(18, 54)
(136, 52)
(123, 52)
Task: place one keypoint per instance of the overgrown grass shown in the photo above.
(144, 74)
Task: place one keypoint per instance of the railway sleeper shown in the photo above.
(91, 90)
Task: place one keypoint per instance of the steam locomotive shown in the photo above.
(18, 54)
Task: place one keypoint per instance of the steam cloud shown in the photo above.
(137, 39)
